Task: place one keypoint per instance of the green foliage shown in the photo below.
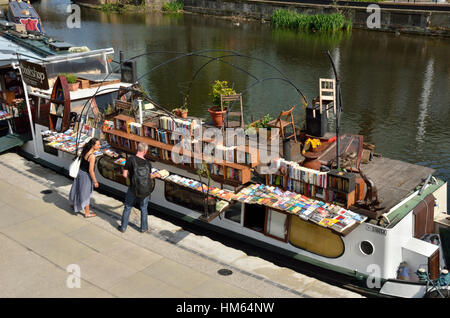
(108, 7)
(173, 6)
(71, 78)
(321, 22)
(220, 88)
(264, 122)
(203, 171)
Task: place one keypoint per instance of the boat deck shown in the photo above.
(394, 179)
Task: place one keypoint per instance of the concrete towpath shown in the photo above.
(40, 239)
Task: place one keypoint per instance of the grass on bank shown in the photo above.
(320, 22)
(110, 7)
(173, 6)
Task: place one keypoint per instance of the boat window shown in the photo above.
(114, 172)
(276, 224)
(314, 238)
(111, 170)
(93, 65)
(234, 212)
(255, 217)
(366, 248)
(189, 199)
(48, 149)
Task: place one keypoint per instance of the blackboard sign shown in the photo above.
(34, 74)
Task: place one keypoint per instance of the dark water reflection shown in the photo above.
(395, 89)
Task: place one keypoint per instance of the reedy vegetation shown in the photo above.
(320, 22)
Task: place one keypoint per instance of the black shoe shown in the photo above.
(120, 228)
(143, 231)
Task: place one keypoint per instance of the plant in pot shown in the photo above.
(262, 123)
(180, 112)
(217, 111)
(72, 81)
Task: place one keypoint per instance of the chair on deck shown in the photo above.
(281, 123)
(233, 119)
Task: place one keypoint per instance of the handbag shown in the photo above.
(75, 167)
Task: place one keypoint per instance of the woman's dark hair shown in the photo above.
(88, 146)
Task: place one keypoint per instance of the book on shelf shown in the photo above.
(297, 172)
(121, 125)
(150, 132)
(166, 155)
(153, 151)
(58, 124)
(341, 181)
(276, 180)
(232, 173)
(113, 139)
(124, 142)
(108, 124)
(135, 129)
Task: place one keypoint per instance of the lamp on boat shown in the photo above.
(422, 274)
(444, 278)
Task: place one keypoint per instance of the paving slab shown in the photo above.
(61, 221)
(103, 271)
(175, 274)
(140, 285)
(10, 216)
(134, 256)
(30, 231)
(91, 235)
(214, 288)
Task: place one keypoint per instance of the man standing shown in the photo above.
(139, 170)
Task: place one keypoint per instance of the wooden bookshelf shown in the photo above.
(60, 98)
(341, 181)
(243, 172)
(329, 194)
(162, 141)
(121, 123)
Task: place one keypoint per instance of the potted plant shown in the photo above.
(181, 112)
(217, 111)
(72, 81)
(262, 123)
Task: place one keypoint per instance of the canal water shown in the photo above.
(395, 89)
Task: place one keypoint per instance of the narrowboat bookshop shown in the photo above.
(340, 214)
(342, 220)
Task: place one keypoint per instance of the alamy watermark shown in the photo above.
(232, 145)
(374, 19)
(74, 278)
(374, 278)
(74, 19)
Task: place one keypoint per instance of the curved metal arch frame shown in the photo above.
(198, 54)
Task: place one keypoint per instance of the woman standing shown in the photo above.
(83, 186)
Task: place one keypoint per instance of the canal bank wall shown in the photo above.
(393, 20)
(414, 21)
(134, 5)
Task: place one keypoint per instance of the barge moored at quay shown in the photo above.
(324, 198)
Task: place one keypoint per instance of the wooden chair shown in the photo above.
(281, 123)
(230, 120)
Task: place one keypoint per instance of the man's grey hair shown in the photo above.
(142, 147)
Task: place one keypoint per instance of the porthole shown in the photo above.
(366, 248)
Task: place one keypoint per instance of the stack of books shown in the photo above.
(197, 186)
(67, 141)
(297, 172)
(321, 213)
(135, 129)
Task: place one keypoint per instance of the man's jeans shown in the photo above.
(130, 198)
